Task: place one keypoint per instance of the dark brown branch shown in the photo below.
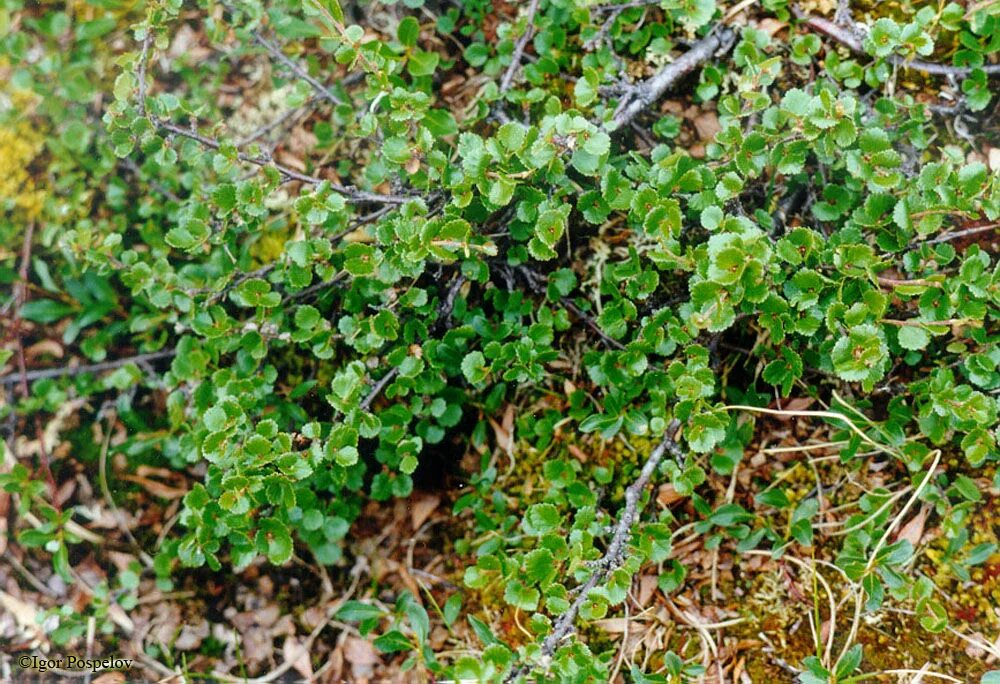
(522, 42)
(591, 323)
(443, 314)
(615, 554)
(852, 36)
(20, 298)
(653, 88)
(43, 373)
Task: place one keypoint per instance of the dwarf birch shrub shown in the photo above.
(329, 311)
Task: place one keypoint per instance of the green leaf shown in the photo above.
(520, 596)
(550, 227)
(45, 311)
(474, 367)
(913, 337)
(476, 54)
(408, 31)
(276, 541)
(540, 519)
(422, 63)
(393, 641)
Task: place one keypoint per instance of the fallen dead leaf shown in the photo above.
(156, 488)
(913, 530)
(707, 125)
(297, 654)
(667, 495)
(994, 158)
(771, 26)
(49, 347)
(794, 404)
(612, 625)
(110, 678)
(422, 508)
(647, 587)
(577, 452)
(362, 657)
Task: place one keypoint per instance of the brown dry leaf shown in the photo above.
(110, 678)
(771, 26)
(647, 588)
(913, 530)
(422, 508)
(667, 495)
(23, 613)
(292, 161)
(993, 155)
(362, 657)
(613, 625)
(297, 654)
(505, 439)
(793, 404)
(707, 125)
(577, 452)
(50, 347)
(156, 488)
(192, 635)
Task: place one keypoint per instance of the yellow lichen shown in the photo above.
(20, 144)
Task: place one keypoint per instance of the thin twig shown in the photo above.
(41, 374)
(213, 144)
(851, 37)
(615, 554)
(116, 513)
(287, 172)
(522, 42)
(378, 387)
(653, 88)
(20, 299)
(591, 323)
(143, 58)
(292, 66)
(947, 237)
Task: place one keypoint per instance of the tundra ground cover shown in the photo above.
(558, 340)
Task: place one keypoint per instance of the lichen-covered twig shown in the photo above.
(615, 554)
(653, 88)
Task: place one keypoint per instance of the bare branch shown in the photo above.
(653, 88)
(143, 58)
(292, 66)
(851, 36)
(947, 237)
(287, 172)
(615, 554)
(41, 374)
(522, 42)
